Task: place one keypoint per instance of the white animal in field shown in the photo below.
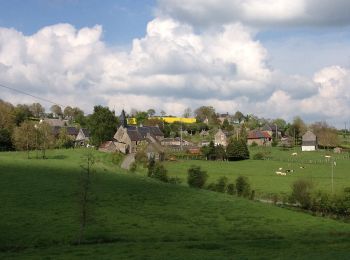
(294, 154)
(281, 173)
(280, 169)
(327, 156)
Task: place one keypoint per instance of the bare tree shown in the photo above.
(37, 109)
(187, 112)
(85, 196)
(56, 110)
(24, 137)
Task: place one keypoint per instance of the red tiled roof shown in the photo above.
(257, 134)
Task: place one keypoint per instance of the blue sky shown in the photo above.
(274, 58)
(122, 20)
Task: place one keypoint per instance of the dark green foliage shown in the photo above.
(220, 153)
(274, 142)
(102, 125)
(174, 180)
(209, 151)
(231, 189)
(5, 140)
(301, 193)
(141, 117)
(196, 178)
(157, 171)
(242, 186)
(237, 150)
(221, 185)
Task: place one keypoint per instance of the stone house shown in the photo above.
(221, 138)
(309, 142)
(261, 138)
(83, 137)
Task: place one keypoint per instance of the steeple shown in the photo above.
(122, 119)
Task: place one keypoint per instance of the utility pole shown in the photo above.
(181, 137)
(333, 164)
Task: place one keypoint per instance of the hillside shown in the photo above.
(136, 217)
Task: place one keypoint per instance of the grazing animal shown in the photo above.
(294, 154)
(280, 169)
(302, 167)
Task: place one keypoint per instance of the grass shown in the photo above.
(137, 217)
(262, 173)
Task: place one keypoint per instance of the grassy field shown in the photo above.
(139, 218)
(262, 173)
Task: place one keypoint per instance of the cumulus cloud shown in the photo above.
(172, 67)
(256, 12)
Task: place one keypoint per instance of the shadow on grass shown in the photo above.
(57, 157)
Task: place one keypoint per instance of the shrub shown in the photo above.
(221, 185)
(301, 193)
(211, 186)
(160, 173)
(242, 186)
(141, 158)
(174, 180)
(259, 156)
(196, 177)
(231, 189)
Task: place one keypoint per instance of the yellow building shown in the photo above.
(166, 119)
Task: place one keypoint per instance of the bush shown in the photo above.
(196, 177)
(141, 158)
(242, 186)
(157, 171)
(301, 193)
(221, 185)
(259, 156)
(231, 189)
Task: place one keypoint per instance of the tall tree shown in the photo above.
(68, 112)
(297, 129)
(7, 117)
(327, 135)
(37, 109)
(206, 112)
(187, 112)
(102, 125)
(25, 136)
(237, 150)
(238, 116)
(56, 110)
(22, 113)
(151, 112)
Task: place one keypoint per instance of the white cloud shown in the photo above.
(256, 12)
(172, 67)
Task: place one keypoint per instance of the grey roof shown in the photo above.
(71, 130)
(134, 135)
(309, 136)
(86, 132)
(144, 130)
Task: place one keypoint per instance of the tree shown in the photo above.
(37, 110)
(102, 125)
(301, 192)
(220, 153)
(68, 112)
(5, 140)
(85, 193)
(238, 116)
(7, 117)
(206, 112)
(24, 137)
(280, 123)
(187, 112)
(22, 113)
(209, 151)
(196, 178)
(45, 138)
(163, 113)
(56, 110)
(297, 129)
(141, 117)
(151, 112)
(327, 136)
(64, 140)
(237, 150)
(242, 186)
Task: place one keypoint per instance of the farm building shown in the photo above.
(309, 142)
(261, 138)
(108, 147)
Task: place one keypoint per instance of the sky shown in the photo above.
(272, 58)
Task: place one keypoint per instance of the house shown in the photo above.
(56, 122)
(174, 142)
(309, 142)
(83, 137)
(204, 133)
(222, 117)
(127, 139)
(108, 147)
(221, 138)
(155, 150)
(72, 131)
(261, 138)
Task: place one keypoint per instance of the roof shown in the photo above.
(134, 135)
(257, 134)
(144, 130)
(71, 130)
(309, 136)
(86, 132)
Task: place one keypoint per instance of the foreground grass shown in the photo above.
(136, 217)
(262, 173)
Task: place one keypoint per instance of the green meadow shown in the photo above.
(134, 217)
(262, 175)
